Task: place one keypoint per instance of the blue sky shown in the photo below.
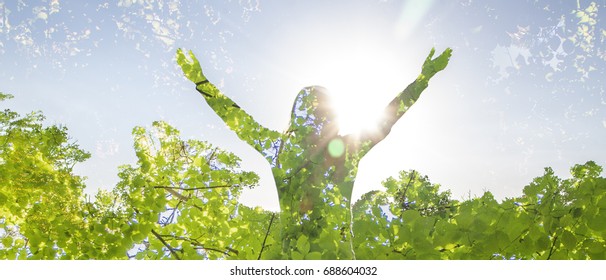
(523, 90)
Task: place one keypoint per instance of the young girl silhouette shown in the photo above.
(313, 166)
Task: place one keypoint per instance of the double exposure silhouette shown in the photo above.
(313, 166)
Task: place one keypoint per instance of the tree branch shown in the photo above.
(213, 249)
(266, 234)
(198, 245)
(552, 247)
(170, 248)
(196, 188)
(403, 194)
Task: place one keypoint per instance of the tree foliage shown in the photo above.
(553, 219)
(180, 199)
(39, 195)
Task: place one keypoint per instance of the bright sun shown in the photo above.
(355, 115)
(362, 73)
(361, 83)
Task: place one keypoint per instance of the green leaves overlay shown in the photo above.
(314, 168)
(180, 200)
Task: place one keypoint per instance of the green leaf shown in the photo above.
(597, 222)
(303, 244)
(594, 247)
(4, 96)
(296, 255)
(464, 220)
(542, 243)
(409, 216)
(7, 242)
(502, 239)
(569, 240)
(313, 256)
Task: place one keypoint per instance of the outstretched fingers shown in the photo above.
(190, 66)
(433, 66)
(442, 60)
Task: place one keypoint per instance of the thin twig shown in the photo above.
(170, 248)
(266, 234)
(552, 247)
(196, 188)
(212, 249)
(211, 157)
(176, 194)
(410, 180)
(171, 217)
(198, 245)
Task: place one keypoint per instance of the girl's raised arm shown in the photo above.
(259, 137)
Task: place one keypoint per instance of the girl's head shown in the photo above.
(313, 117)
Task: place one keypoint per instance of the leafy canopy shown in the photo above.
(180, 200)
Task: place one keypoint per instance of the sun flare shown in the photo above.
(361, 86)
(362, 74)
(354, 115)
